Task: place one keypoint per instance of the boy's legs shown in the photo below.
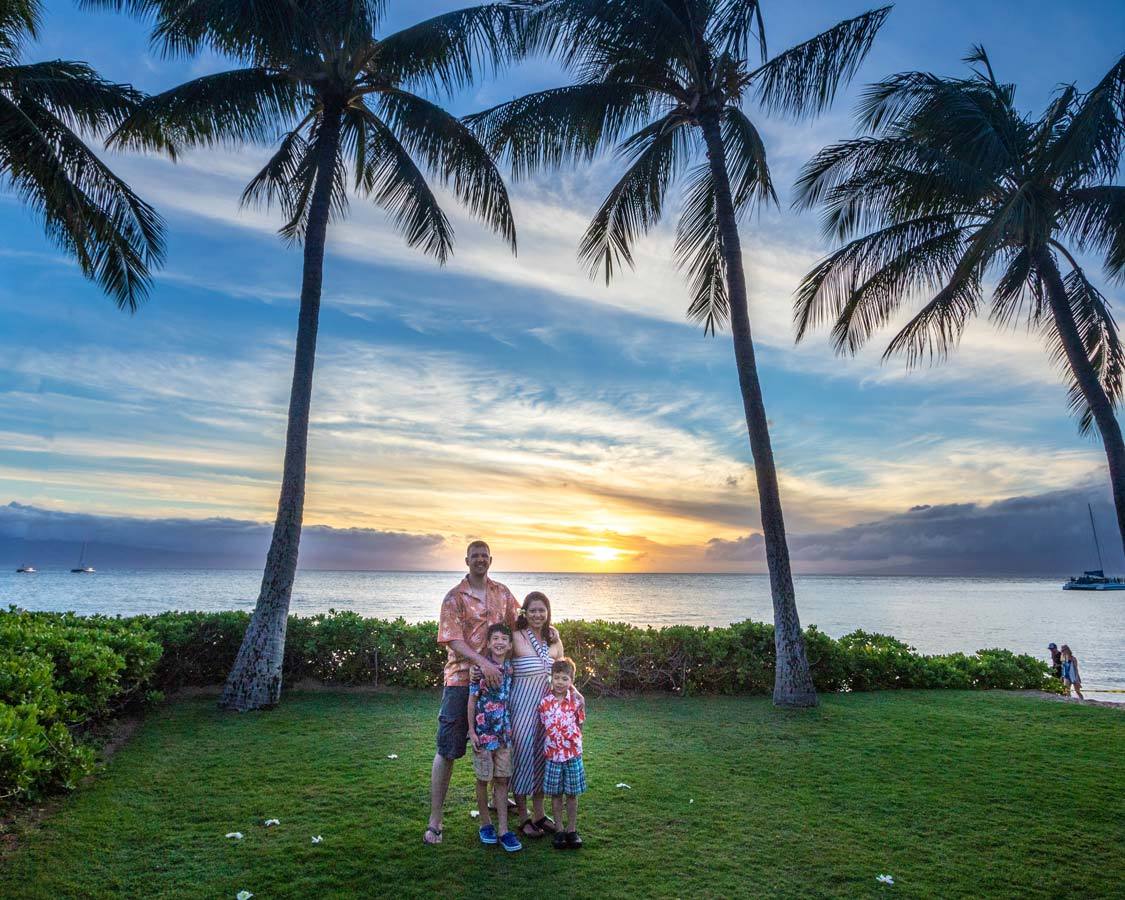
(571, 812)
(482, 803)
(500, 790)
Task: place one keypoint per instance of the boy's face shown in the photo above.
(499, 644)
(561, 681)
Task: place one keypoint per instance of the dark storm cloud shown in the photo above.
(47, 537)
(1044, 534)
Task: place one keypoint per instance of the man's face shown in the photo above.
(499, 644)
(561, 682)
(478, 560)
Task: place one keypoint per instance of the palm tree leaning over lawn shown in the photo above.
(45, 109)
(957, 183)
(343, 100)
(672, 72)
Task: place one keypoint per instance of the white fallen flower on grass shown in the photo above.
(622, 784)
(270, 822)
(475, 813)
(885, 879)
(243, 895)
(692, 800)
(392, 756)
(237, 835)
(317, 839)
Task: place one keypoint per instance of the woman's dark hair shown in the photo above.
(522, 623)
(1065, 651)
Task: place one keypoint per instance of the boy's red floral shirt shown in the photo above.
(561, 719)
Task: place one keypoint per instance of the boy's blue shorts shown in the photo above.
(564, 777)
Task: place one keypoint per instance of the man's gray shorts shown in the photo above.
(453, 722)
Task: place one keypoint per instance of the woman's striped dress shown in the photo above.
(531, 678)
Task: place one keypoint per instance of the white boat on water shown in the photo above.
(1095, 579)
(27, 570)
(82, 568)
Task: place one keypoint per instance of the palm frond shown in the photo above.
(747, 165)
(392, 179)
(1102, 344)
(656, 154)
(737, 26)
(243, 105)
(934, 332)
(803, 80)
(860, 286)
(452, 152)
(87, 210)
(1019, 284)
(19, 23)
(549, 128)
(1094, 217)
(699, 252)
(73, 92)
(449, 51)
(1089, 148)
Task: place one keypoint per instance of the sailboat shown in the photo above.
(1094, 579)
(26, 570)
(82, 568)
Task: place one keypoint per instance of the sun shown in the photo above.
(603, 554)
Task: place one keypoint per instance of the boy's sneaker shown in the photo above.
(510, 842)
(573, 841)
(488, 834)
(559, 840)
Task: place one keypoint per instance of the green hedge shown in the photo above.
(60, 672)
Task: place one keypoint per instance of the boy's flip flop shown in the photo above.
(436, 832)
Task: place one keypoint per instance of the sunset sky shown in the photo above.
(574, 426)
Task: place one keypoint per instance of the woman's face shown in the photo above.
(536, 613)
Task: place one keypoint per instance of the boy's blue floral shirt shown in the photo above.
(493, 722)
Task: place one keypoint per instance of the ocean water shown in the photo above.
(935, 615)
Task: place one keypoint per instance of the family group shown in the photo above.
(510, 692)
(1064, 665)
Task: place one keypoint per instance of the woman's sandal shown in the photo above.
(545, 824)
(436, 832)
(536, 831)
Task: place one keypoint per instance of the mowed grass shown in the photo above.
(954, 794)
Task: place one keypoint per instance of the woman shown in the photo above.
(533, 653)
(1070, 674)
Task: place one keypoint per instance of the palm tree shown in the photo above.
(951, 183)
(656, 78)
(45, 110)
(343, 102)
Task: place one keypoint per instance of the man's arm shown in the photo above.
(490, 672)
(473, 716)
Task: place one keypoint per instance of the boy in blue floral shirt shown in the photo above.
(490, 730)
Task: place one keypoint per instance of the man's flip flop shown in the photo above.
(436, 832)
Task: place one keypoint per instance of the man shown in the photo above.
(467, 612)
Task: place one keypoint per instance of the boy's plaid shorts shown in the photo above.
(565, 777)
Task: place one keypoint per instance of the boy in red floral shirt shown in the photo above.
(562, 712)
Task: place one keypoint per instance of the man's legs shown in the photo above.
(439, 786)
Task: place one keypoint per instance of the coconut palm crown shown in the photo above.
(951, 184)
(344, 106)
(664, 83)
(46, 111)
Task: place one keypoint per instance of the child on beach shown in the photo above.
(1070, 675)
(562, 712)
(490, 730)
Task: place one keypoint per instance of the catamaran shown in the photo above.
(1095, 579)
(82, 568)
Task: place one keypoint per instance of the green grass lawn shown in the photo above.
(954, 794)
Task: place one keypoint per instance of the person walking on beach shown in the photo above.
(1056, 659)
(1070, 674)
(467, 612)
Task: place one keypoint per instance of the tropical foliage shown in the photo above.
(951, 185)
(342, 104)
(47, 110)
(664, 83)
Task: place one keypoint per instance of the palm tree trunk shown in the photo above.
(1087, 379)
(254, 681)
(793, 685)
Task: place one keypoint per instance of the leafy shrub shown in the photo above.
(59, 674)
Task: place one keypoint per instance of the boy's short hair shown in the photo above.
(498, 627)
(566, 664)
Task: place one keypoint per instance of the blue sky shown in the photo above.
(577, 426)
